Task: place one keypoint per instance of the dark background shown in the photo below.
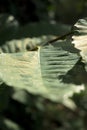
(64, 11)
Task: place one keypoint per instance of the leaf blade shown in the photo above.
(39, 72)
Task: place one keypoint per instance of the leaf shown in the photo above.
(24, 44)
(80, 37)
(41, 73)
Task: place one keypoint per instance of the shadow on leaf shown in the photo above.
(77, 75)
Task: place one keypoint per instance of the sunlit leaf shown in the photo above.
(24, 44)
(42, 72)
(80, 37)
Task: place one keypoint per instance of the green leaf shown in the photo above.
(43, 72)
(80, 37)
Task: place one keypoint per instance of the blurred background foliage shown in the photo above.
(64, 11)
(19, 110)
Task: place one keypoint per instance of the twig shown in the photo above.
(58, 38)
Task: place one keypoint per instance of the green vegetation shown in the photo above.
(42, 80)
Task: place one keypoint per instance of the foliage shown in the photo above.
(42, 83)
(63, 11)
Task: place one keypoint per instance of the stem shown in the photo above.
(58, 38)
